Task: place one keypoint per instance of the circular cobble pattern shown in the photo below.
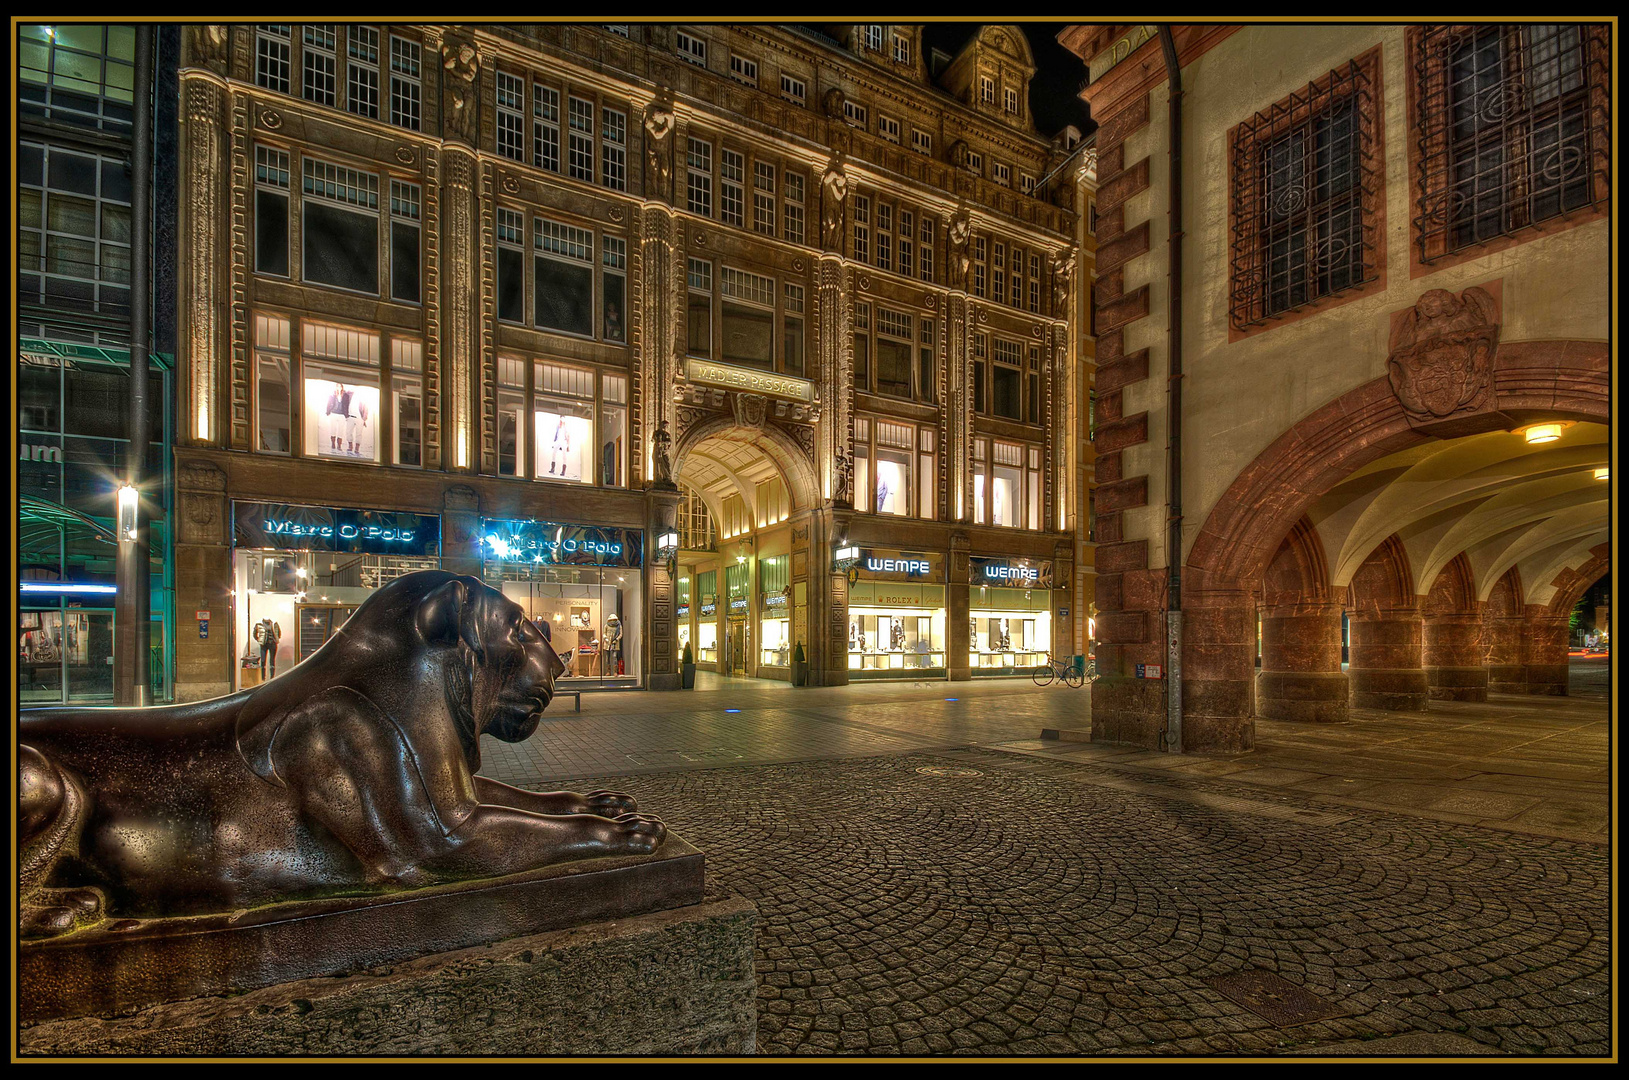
(1040, 908)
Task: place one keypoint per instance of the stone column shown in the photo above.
(1455, 657)
(202, 337)
(1218, 668)
(1547, 664)
(461, 530)
(661, 620)
(1301, 677)
(958, 608)
(828, 599)
(1506, 653)
(1388, 659)
(203, 582)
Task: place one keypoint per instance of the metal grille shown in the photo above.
(1305, 195)
(1513, 129)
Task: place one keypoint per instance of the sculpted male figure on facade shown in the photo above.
(961, 232)
(659, 150)
(833, 194)
(462, 64)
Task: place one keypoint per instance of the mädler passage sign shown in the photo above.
(758, 382)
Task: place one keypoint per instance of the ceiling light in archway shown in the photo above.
(1543, 433)
(1602, 473)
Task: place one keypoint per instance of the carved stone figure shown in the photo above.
(1441, 359)
(353, 773)
(658, 150)
(832, 103)
(462, 65)
(834, 192)
(842, 480)
(209, 47)
(961, 231)
(1063, 281)
(660, 440)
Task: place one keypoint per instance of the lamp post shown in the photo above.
(132, 610)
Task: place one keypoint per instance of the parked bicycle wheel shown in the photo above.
(1073, 676)
(1043, 674)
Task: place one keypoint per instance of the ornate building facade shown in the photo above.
(524, 302)
(1353, 367)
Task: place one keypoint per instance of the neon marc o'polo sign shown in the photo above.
(284, 527)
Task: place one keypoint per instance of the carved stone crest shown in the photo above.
(1441, 359)
(750, 409)
(209, 47)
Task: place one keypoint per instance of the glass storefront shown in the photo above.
(298, 572)
(584, 584)
(775, 614)
(1010, 631)
(896, 616)
(707, 618)
(73, 404)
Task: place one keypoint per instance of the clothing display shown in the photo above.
(267, 634)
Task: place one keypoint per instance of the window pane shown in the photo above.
(565, 297)
(341, 413)
(272, 400)
(409, 413)
(794, 347)
(893, 368)
(271, 233)
(615, 300)
(1007, 392)
(404, 262)
(341, 248)
(511, 285)
(564, 437)
(893, 483)
(701, 319)
(749, 336)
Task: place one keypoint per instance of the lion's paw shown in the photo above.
(642, 833)
(610, 803)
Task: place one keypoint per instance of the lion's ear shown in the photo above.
(440, 615)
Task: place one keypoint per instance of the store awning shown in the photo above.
(74, 352)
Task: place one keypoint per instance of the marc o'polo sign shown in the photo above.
(1011, 573)
(330, 528)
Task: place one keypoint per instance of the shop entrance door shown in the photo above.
(736, 632)
(66, 656)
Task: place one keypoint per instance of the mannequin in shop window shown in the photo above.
(853, 636)
(1006, 642)
(335, 414)
(356, 422)
(267, 635)
(611, 655)
(560, 458)
(896, 636)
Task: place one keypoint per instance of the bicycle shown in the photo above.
(1064, 671)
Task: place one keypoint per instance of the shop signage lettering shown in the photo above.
(31, 452)
(915, 567)
(759, 382)
(738, 603)
(555, 544)
(709, 609)
(684, 609)
(1011, 573)
(775, 600)
(327, 528)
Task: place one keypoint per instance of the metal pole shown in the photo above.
(132, 609)
(1173, 542)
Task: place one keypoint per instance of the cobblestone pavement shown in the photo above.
(982, 902)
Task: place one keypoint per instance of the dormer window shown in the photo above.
(902, 50)
(987, 89)
(1012, 101)
(873, 38)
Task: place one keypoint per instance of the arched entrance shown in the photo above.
(743, 567)
(1389, 505)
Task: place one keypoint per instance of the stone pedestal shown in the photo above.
(1547, 664)
(1387, 668)
(1454, 655)
(1301, 677)
(1506, 654)
(669, 982)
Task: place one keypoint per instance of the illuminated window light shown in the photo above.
(67, 587)
(1543, 433)
(1602, 473)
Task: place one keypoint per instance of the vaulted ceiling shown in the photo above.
(1497, 498)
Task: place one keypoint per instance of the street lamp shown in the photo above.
(847, 560)
(667, 547)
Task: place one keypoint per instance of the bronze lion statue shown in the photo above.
(352, 773)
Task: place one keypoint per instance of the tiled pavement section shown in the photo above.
(1003, 903)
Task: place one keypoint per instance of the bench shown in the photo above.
(576, 694)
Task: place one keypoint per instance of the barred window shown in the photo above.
(545, 127)
(319, 63)
(614, 149)
(975, 162)
(582, 140)
(272, 53)
(699, 159)
(731, 172)
(511, 101)
(793, 207)
(742, 285)
(1305, 196)
(405, 94)
(987, 89)
(1012, 101)
(362, 72)
(763, 197)
(1001, 174)
(1513, 129)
